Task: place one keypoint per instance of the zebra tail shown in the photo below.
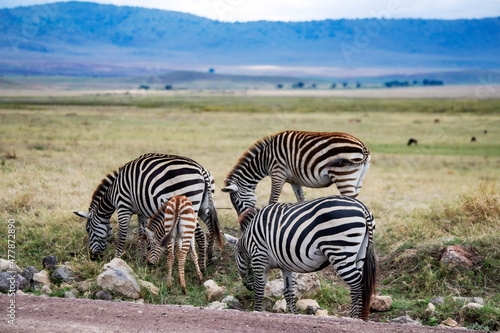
(167, 238)
(214, 220)
(369, 279)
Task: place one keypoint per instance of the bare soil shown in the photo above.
(51, 314)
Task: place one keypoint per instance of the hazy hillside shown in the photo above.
(78, 38)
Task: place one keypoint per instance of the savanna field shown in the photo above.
(54, 151)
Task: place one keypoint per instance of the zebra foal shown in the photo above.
(177, 226)
(307, 237)
(310, 159)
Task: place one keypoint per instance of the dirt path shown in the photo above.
(49, 314)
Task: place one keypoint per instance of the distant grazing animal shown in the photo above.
(436, 120)
(174, 222)
(311, 159)
(307, 237)
(412, 141)
(140, 187)
(473, 139)
(485, 131)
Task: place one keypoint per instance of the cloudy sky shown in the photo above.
(301, 10)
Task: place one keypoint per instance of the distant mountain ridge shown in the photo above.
(100, 37)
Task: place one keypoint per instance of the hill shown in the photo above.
(118, 40)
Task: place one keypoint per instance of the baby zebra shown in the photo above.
(178, 225)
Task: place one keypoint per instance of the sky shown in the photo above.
(302, 10)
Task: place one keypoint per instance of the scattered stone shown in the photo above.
(321, 312)
(431, 308)
(150, 287)
(228, 299)
(28, 273)
(381, 303)
(217, 305)
(456, 256)
(305, 285)
(86, 285)
(42, 278)
(118, 263)
(214, 292)
(46, 289)
(121, 281)
(437, 300)
(72, 293)
(49, 262)
(280, 306)
(472, 306)
(20, 292)
(140, 301)
(8, 266)
(448, 323)
(63, 273)
(464, 300)
(303, 304)
(11, 282)
(103, 294)
(405, 320)
(235, 305)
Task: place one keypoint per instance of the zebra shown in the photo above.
(311, 159)
(176, 225)
(306, 237)
(140, 187)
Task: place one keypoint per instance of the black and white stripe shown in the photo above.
(141, 187)
(307, 237)
(310, 159)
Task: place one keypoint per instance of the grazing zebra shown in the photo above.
(140, 187)
(311, 159)
(306, 237)
(177, 226)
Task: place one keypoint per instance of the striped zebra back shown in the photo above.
(310, 159)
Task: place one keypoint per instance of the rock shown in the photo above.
(405, 320)
(303, 304)
(465, 300)
(11, 282)
(42, 278)
(472, 306)
(103, 294)
(430, 308)
(140, 301)
(20, 292)
(448, 323)
(154, 290)
(118, 263)
(49, 263)
(456, 256)
(214, 292)
(121, 281)
(228, 299)
(321, 312)
(381, 303)
(235, 305)
(46, 289)
(304, 285)
(86, 285)
(8, 266)
(72, 293)
(217, 305)
(63, 274)
(280, 306)
(437, 300)
(28, 273)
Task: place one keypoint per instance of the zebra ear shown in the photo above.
(231, 240)
(230, 188)
(82, 214)
(149, 233)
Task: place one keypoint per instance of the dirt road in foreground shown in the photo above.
(48, 314)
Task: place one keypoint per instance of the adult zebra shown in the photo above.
(311, 159)
(307, 237)
(140, 187)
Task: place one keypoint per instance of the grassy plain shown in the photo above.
(55, 150)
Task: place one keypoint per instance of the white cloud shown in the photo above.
(299, 10)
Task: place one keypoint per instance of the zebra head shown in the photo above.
(154, 247)
(243, 261)
(99, 230)
(242, 196)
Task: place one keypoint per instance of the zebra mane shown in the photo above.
(247, 217)
(248, 156)
(157, 217)
(106, 182)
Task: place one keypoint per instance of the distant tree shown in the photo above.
(415, 82)
(358, 85)
(313, 86)
(298, 85)
(427, 82)
(345, 84)
(211, 70)
(279, 86)
(333, 86)
(145, 87)
(168, 87)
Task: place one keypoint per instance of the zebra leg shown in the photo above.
(260, 274)
(194, 256)
(289, 290)
(204, 215)
(142, 243)
(200, 238)
(356, 299)
(123, 222)
(278, 178)
(182, 249)
(299, 192)
(170, 262)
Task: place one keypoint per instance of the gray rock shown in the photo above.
(63, 273)
(437, 300)
(72, 293)
(28, 273)
(121, 281)
(381, 303)
(103, 294)
(11, 282)
(405, 320)
(49, 262)
(305, 285)
(465, 300)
